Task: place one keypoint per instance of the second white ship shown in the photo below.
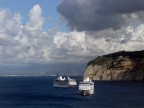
(86, 87)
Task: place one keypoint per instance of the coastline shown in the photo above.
(38, 75)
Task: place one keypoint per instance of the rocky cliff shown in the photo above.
(117, 66)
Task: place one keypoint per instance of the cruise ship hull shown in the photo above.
(64, 83)
(86, 92)
(63, 86)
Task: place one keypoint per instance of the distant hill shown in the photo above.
(121, 65)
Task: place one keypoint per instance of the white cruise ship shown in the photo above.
(86, 87)
(64, 82)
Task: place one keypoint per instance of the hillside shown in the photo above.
(117, 66)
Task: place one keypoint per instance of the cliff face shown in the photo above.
(117, 66)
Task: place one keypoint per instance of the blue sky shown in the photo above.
(63, 35)
(49, 10)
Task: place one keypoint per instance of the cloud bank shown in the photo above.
(101, 29)
(111, 25)
(95, 15)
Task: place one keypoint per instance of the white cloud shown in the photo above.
(36, 19)
(31, 44)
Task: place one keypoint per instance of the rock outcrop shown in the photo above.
(117, 66)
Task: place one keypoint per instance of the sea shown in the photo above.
(38, 92)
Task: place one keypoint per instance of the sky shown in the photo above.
(61, 36)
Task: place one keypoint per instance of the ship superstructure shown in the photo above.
(86, 87)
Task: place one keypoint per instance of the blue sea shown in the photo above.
(38, 92)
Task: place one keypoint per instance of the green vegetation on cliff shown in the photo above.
(101, 60)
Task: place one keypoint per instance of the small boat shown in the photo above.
(86, 87)
(64, 83)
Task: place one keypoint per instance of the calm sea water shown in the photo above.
(38, 92)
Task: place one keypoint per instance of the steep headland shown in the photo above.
(117, 66)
